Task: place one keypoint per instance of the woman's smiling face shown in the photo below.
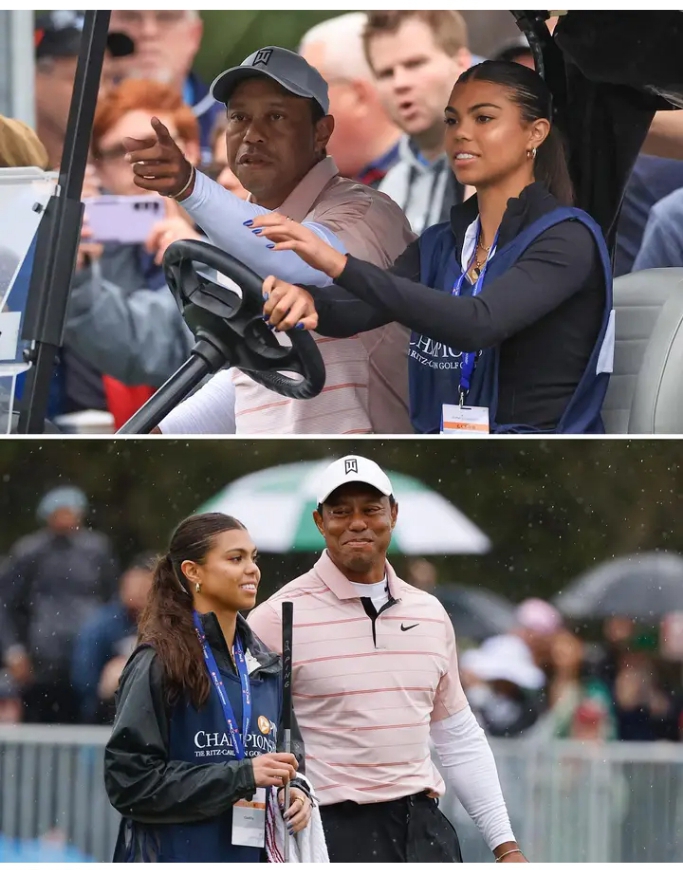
(486, 138)
(228, 576)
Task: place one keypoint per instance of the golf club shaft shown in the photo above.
(287, 624)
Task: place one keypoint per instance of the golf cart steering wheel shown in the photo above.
(235, 324)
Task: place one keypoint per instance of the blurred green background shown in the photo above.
(551, 508)
(230, 36)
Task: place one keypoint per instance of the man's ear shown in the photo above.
(318, 520)
(324, 129)
(394, 514)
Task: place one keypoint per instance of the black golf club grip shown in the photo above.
(287, 623)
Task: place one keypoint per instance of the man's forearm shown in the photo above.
(665, 137)
(470, 770)
(222, 216)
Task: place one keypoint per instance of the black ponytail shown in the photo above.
(532, 95)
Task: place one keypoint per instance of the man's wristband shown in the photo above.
(190, 182)
(505, 854)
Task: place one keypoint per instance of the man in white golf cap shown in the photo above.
(375, 676)
(278, 127)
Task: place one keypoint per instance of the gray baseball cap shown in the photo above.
(285, 67)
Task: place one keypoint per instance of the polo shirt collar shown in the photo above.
(340, 586)
(301, 200)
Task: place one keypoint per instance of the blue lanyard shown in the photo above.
(238, 740)
(469, 359)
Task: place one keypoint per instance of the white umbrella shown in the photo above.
(276, 505)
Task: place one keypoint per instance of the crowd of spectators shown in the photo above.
(389, 76)
(544, 680)
(68, 623)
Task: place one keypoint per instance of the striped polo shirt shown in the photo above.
(366, 387)
(365, 697)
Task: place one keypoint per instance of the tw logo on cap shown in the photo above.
(350, 465)
(263, 56)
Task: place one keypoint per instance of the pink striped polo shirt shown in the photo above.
(366, 388)
(365, 704)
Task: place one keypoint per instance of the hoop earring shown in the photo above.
(531, 154)
(197, 587)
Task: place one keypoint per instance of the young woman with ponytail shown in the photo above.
(199, 710)
(510, 303)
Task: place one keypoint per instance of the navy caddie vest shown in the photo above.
(201, 737)
(434, 370)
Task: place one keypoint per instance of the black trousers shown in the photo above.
(407, 830)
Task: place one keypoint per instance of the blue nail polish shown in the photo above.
(248, 223)
(299, 326)
(256, 232)
(265, 295)
(270, 247)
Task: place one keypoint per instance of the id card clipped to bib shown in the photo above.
(249, 821)
(464, 420)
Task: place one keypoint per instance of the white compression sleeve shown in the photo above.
(208, 411)
(221, 215)
(470, 770)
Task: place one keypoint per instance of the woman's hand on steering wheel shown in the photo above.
(287, 306)
(288, 235)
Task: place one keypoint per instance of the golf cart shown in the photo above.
(609, 73)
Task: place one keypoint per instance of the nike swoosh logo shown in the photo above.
(408, 627)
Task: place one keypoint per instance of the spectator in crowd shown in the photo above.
(648, 235)
(278, 129)
(618, 633)
(644, 710)
(10, 700)
(662, 244)
(579, 703)
(166, 44)
(58, 39)
(503, 685)
(219, 168)
(58, 36)
(665, 136)
(538, 624)
(516, 274)
(517, 51)
(365, 141)
(366, 721)
(52, 582)
(417, 56)
(20, 146)
(122, 320)
(422, 574)
(106, 641)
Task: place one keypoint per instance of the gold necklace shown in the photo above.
(475, 270)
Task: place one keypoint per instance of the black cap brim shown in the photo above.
(67, 43)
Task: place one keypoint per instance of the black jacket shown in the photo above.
(49, 587)
(141, 782)
(545, 312)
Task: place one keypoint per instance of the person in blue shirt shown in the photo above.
(199, 711)
(166, 44)
(509, 303)
(106, 641)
